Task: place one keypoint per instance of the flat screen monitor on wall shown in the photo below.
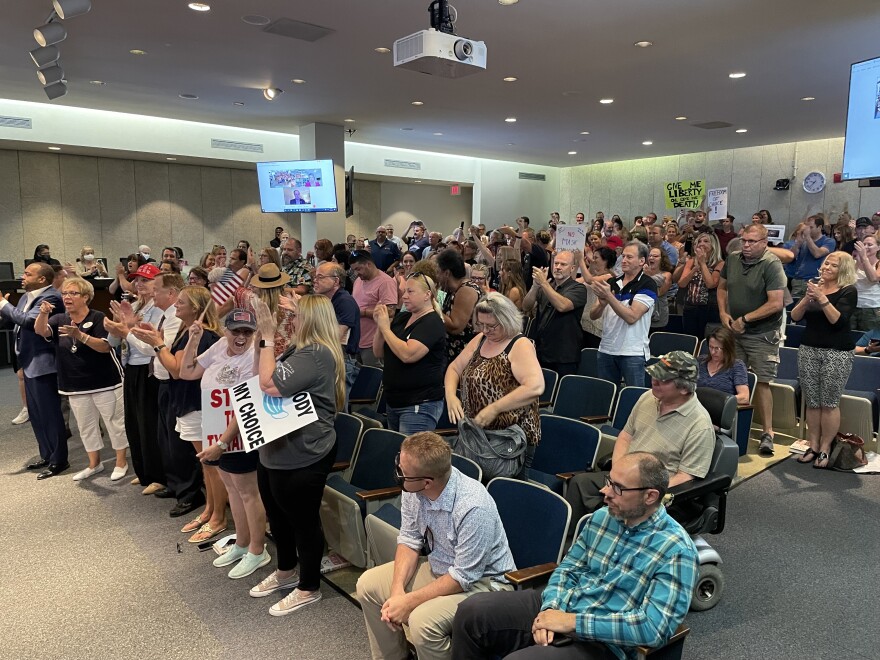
(861, 151)
(297, 186)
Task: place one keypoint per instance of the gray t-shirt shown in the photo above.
(747, 287)
(310, 369)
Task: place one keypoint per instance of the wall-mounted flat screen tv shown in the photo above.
(297, 186)
(861, 150)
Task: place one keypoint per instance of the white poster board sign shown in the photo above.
(717, 202)
(775, 234)
(216, 414)
(263, 418)
(571, 237)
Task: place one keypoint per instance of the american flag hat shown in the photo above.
(241, 318)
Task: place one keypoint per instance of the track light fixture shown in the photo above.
(55, 90)
(50, 75)
(71, 8)
(272, 93)
(51, 33)
(45, 56)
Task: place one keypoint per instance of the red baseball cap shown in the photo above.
(147, 271)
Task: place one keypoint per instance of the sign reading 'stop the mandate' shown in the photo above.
(685, 194)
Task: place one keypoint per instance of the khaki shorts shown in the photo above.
(760, 352)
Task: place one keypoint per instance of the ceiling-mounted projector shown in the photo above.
(440, 54)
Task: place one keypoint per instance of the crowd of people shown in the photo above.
(464, 324)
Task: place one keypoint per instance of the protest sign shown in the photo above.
(571, 237)
(263, 418)
(685, 194)
(216, 414)
(717, 203)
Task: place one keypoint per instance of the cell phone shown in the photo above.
(561, 640)
(814, 280)
(874, 342)
(461, 226)
(689, 246)
(206, 545)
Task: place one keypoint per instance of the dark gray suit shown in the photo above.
(36, 355)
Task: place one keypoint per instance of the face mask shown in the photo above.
(88, 257)
(145, 255)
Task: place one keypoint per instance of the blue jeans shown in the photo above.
(412, 419)
(629, 368)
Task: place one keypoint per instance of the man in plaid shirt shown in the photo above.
(627, 581)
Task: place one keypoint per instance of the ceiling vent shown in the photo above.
(236, 146)
(711, 125)
(532, 176)
(287, 27)
(15, 122)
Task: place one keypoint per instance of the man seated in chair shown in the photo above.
(626, 581)
(452, 519)
(668, 421)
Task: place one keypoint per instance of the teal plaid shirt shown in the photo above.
(628, 586)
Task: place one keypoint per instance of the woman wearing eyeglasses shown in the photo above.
(88, 373)
(498, 373)
(293, 469)
(413, 346)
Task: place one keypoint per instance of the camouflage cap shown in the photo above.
(676, 364)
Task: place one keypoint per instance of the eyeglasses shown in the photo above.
(401, 478)
(487, 327)
(324, 277)
(618, 489)
(749, 241)
(427, 542)
(75, 294)
(477, 278)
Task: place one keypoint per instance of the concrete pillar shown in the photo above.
(319, 142)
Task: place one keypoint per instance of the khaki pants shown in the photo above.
(430, 624)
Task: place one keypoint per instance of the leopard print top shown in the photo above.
(486, 380)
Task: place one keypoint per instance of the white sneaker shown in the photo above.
(293, 601)
(271, 584)
(119, 472)
(249, 564)
(22, 416)
(88, 472)
(230, 555)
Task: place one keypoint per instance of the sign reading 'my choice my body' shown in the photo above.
(263, 418)
(685, 194)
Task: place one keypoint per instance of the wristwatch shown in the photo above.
(223, 445)
(267, 344)
(159, 348)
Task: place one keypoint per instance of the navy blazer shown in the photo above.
(36, 354)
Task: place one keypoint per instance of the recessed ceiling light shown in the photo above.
(510, 79)
(511, 120)
(382, 50)
(238, 103)
(54, 148)
(350, 121)
(808, 98)
(256, 19)
(170, 158)
(298, 81)
(738, 74)
(438, 134)
(585, 132)
(272, 93)
(406, 129)
(606, 101)
(418, 103)
(137, 51)
(644, 44)
(507, 2)
(681, 118)
(742, 130)
(188, 97)
(199, 6)
(97, 82)
(647, 143)
(417, 181)
(510, 144)
(572, 153)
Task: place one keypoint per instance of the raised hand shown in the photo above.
(265, 320)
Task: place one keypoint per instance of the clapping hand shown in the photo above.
(380, 316)
(265, 319)
(289, 301)
(123, 313)
(70, 331)
(601, 289)
(147, 334)
(539, 275)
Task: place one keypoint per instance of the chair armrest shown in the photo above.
(379, 493)
(745, 406)
(595, 419)
(340, 466)
(446, 432)
(712, 483)
(677, 639)
(544, 404)
(364, 401)
(567, 476)
(524, 576)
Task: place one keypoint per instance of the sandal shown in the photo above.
(205, 533)
(819, 459)
(809, 456)
(194, 524)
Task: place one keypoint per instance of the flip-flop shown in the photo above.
(822, 457)
(193, 524)
(205, 533)
(808, 456)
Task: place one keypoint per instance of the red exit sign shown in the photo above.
(455, 190)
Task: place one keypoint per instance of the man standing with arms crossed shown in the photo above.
(750, 302)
